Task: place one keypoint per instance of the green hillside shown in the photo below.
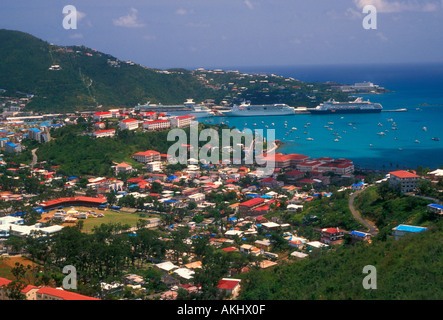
(408, 268)
(87, 78)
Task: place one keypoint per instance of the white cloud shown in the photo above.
(80, 15)
(387, 6)
(249, 4)
(353, 14)
(183, 12)
(382, 37)
(129, 21)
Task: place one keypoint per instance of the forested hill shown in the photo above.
(87, 78)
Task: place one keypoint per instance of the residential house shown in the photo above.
(332, 236)
(229, 287)
(436, 209)
(147, 156)
(403, 181)
(123, 168)
(357, 236)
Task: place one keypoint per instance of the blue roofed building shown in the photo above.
(12, 147)
(436, 209)
(360, 236)
(3, 142)
(403, 229)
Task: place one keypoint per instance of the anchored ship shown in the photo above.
(189, 107)
(357, 106)
(247, 110)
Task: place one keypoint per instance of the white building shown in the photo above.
(154, 166)
(129, 124)
(197, 197)
(182, 121)
(157, 125)
(403, 181)
(98, 116)
(104, 133)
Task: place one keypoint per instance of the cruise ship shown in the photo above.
(189, 107)
(357, 106)
(247, 110)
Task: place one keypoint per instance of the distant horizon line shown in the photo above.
(234, 67)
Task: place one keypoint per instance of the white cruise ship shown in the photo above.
(357, 106)
(248, 110)
(187, 108)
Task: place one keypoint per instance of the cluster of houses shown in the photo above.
(147, 120)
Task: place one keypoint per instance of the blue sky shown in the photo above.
(220, 33)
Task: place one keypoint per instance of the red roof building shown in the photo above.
(331, 236)
(229, 286)
(48, 293)
(156, 125)
(403, 181)
(247, 207)
(73, 201)
(104, 133)
(147, 156)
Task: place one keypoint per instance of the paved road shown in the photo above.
(34, 157)
(372, 228)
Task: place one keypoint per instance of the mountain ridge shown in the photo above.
(86, 78)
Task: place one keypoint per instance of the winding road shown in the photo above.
(34, 157)
(372, 229)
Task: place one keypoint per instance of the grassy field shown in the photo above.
(110, 216)
(8, 262)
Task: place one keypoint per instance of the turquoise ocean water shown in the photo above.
(418, 88)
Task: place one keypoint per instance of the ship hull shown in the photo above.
(256, 114)
(342, 111)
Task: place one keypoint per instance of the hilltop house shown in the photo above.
(403, 181)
